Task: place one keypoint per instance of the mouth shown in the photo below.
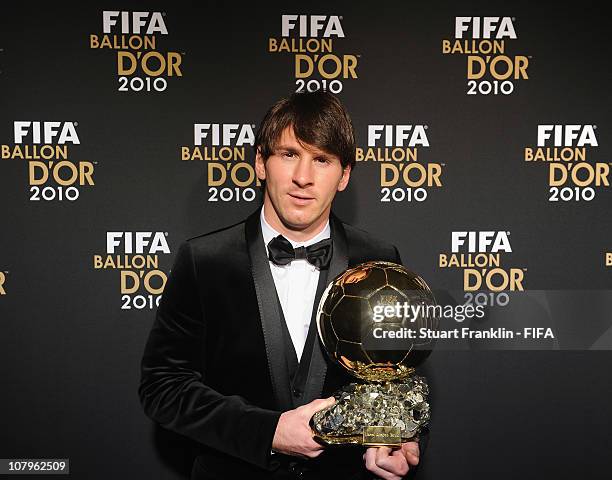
(300, 198)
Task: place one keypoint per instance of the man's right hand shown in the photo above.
(293, 435)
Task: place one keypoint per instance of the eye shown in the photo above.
(322, 160)
(288, 154)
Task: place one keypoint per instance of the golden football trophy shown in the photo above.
(388, 405)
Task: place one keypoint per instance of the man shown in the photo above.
(233, 360)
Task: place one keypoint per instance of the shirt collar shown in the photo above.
(269, 233)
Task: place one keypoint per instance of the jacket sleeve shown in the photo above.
(172, 388)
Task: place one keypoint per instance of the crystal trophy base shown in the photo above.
(374, 414)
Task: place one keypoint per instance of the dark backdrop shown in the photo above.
(69, 362)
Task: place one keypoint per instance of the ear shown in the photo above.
(344, 180)
(260, 166)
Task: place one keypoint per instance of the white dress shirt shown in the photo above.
(296, 286)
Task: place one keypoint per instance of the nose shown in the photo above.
(303, 174)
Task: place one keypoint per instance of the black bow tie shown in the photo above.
(280, 252)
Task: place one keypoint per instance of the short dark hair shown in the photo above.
(318, 118)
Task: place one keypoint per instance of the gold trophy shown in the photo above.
(388, 405)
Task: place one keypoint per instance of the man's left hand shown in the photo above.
(392, 464)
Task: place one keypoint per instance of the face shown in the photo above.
(301, 182)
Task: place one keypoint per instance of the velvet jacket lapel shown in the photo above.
(269, 312)
(271, 318)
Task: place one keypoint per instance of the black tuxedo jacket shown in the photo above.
(219, 366)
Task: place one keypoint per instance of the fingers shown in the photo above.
(311, 444)
(315, 448)
(302, 435)
(293, 435)
(413, 447)
(395, 464)
(318, 404)
(311, 408)
(370, 463)
(411, 452)
(315, 453)
(304, 446)
(384, 464)
(307, 448)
